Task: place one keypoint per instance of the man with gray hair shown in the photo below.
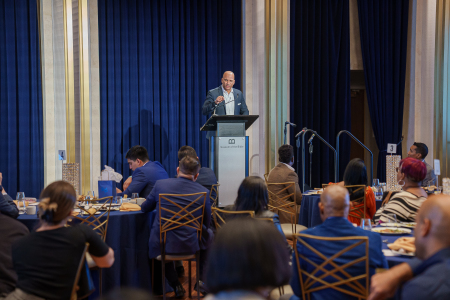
(334, 207)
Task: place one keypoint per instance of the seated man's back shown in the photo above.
(10, 231)
(334, 208)
(145, 177)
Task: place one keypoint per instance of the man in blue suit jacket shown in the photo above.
(225, 99)
(184, 240)
(334, 206)
(145, 172)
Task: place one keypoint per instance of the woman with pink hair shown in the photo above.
(406, 203)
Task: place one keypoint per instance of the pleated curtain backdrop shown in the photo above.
(384, 31)
(158, 59)
(21, 117)
(320, 80)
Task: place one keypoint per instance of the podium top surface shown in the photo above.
(211, 124)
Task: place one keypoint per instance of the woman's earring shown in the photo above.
(401, 181)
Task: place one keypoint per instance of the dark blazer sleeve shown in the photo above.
(150, 203)
(208, 105)
(137, 184)
(8, 207)
(244, 109)
(292, 177)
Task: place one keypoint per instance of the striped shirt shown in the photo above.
(403, 204)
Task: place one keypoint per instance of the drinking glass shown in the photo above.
(134, 196)
(392, 218)
(376, 182)
(118, 200)
(439, 190)
(366, 224)
(21, 197)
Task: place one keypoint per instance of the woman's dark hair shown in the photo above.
(247, 254)
(57, 200)
(355, 172)
(252, 195)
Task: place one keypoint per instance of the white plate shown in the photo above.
(397, 252)
(402, 230)
(405, 225)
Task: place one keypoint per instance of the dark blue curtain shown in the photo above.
(21, 151)
(320, 80)
(158, 59)
(384, 30)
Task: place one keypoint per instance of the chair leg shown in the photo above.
(189, 279)
(100, 281)
(197, 266)
(163, 276)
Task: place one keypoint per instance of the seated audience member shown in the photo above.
(428, 275)
(406, 203)
(184, 240)
(145, 172)
(284, 172)
(334, 206)
(246, 261)
(7, 206)
(420, 151)
(253, 195)
(10, 231)
(206, 176)
(356, 174)
(46, 261)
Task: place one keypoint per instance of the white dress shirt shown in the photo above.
(229, 103)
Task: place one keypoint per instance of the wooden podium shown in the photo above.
(228, 152)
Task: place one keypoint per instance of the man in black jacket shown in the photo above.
(7, 206)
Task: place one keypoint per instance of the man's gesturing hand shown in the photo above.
(219, 99)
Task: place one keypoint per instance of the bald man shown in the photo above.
(224, 99)
(427, 276)
(334, 206)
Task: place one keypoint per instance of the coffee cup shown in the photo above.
(31, 210)
(139, 201)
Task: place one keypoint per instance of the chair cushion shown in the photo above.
(177, 257)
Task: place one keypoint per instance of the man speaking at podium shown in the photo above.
(224, 100)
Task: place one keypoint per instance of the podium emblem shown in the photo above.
(231, 141)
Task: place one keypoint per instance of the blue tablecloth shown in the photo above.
(128, 235)
(309, 211)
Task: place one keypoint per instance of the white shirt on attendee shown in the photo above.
(229, 101)
(291, 168)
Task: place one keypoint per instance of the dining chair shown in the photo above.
(173, 217)
(360, 202)
(266, 177)
(279, 203)
(78, 274)
(325, 185)
(214, 197)
(220, 216)
(99, 223)
(318, 271)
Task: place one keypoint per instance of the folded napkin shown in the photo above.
(405, 243)
(130, 207)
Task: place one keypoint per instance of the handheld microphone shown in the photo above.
(217, 105)
(311, 138)
(292, 124)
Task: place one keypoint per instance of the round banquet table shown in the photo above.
(128, 235)
(309, 210)
(394, 260)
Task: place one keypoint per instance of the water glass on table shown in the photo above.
(366, 224)
(431, 187)
(392, 218)
(20, 197)
(118, 200)
(134, 196)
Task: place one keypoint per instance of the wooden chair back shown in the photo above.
(220, 215)
(280, 203)
(173, 215)
(215, 189)
(326, 267)
(325, 185)
(355, 209)
(78, 274)
(92, 219)
(266, 177)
